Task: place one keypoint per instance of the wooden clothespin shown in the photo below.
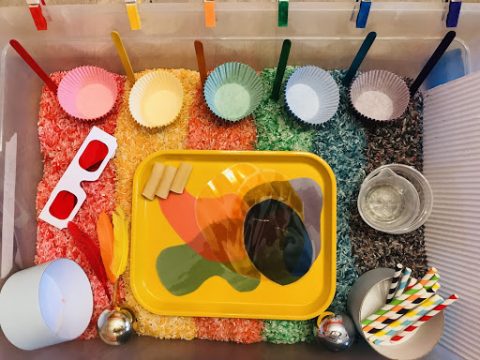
(209, 11)
(453, 13)
(282, 13)
(133, 14)
(363, 12)
(35, 7)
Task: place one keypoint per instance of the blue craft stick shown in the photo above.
(453, 13)
(363, 13)
(357, 61)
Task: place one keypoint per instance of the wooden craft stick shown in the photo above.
(153, 181)
(181, 178)
(166, 183)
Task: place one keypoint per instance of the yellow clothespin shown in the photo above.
(133, 14)
(209, 10)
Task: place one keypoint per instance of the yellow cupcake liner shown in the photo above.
(156, 99)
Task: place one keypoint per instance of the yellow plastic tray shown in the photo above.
(306, 298)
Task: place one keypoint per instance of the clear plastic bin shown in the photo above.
(322, 34)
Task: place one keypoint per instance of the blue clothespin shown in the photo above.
(453, 13)
(363, 12)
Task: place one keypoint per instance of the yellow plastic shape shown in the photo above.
(303, 299)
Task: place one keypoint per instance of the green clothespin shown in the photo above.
(282, 13)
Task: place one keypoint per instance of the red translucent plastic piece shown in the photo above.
(63, 204)
(93, 156)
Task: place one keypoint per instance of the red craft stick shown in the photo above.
(33, 65)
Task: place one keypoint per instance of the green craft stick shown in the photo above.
(282, 13)
(282, 65)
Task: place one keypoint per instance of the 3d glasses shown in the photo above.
(67, 197)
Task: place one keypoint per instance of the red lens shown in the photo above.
(93, 155)
(63, 204)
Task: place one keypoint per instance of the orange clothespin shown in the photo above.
(209, 10)
(35, 7)
(133, 14)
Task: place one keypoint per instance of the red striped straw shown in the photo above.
(426, 317)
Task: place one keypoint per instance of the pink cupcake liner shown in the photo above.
(87, 92)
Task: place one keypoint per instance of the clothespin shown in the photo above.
(363, 12)
(133, 14)
(282, 13)
(453, 13)
(209, 11)
(35, 7)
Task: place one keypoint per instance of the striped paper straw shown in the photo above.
(434, 288)
(403, 282)
(398, 311)
(434, 279)
(424, 280)
(411, 283)
(387, 307)
(425, 318)
(409, 318)
(395, 281)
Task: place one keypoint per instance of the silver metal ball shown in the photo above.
(115, 326)
(336, 332)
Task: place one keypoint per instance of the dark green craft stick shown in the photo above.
(437, 54)
(357, 61)
(282, 65)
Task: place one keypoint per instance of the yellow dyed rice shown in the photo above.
(134, 144)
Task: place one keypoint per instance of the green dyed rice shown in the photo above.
(341, 142)
(288, 332)
(276, 129)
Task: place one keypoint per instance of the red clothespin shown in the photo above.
(209, 10)
(35, 7)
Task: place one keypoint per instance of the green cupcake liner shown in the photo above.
(233, 91)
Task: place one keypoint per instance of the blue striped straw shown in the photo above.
(403, 282)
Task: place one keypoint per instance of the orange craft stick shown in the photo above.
(202, 67)
(209, 9)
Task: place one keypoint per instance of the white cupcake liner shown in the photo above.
(379, 95)
(159, 85)
(85, 79)
(312, 95)
(248, 86)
